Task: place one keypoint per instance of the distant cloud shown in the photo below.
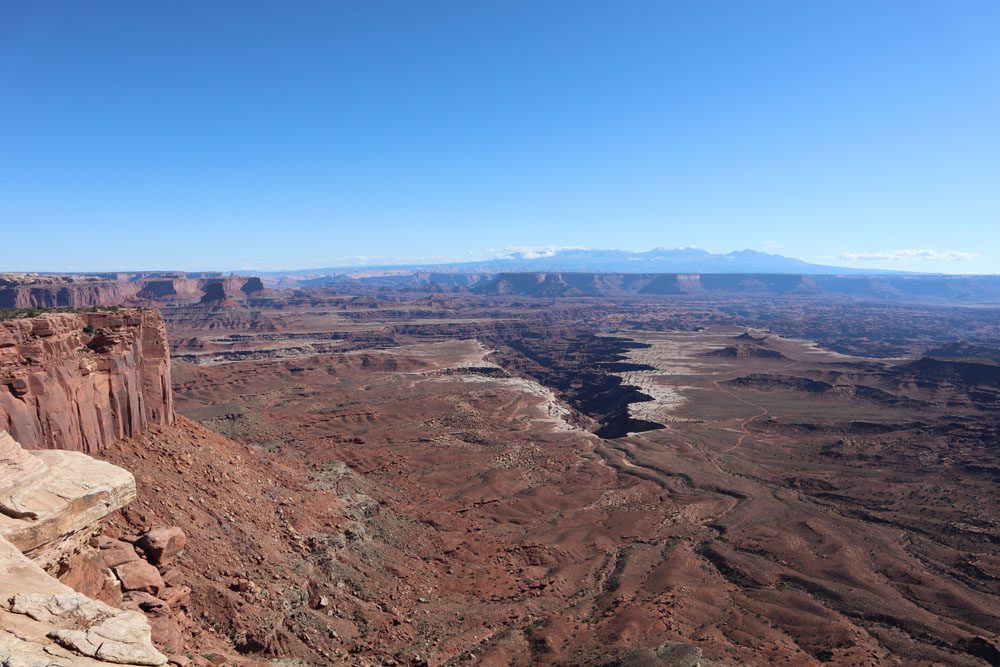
(771, 245)
(903, 255)
(510, 252)
(518, 252)
(366, 260)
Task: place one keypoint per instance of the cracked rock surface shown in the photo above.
(46, 499)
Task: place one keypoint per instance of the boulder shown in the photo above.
(165, 626)
(162, 544)
(138, 575)
(117, 552)
(178, 597)
(86, 573)
(144, 602)
(172, 576)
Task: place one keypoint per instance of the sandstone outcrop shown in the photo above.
(44, 622)
(50, 505)
(83, 380)
(233, 288)
(48, 499)
(203, 290)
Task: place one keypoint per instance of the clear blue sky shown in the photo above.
(287, 134)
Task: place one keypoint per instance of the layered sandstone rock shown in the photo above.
(204, 290)
(27, 291)
(50, 499)
(231, 288)
(50, 503)
(171, 289)
(32, 291)
(83, 380)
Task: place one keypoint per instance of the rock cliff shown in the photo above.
(232, 288)
(26, 291)
(31, 291)
(80, 381)
(201, 290)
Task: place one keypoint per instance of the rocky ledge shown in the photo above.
(49, 500)
(50, 505)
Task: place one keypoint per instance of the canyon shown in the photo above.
(508, 470)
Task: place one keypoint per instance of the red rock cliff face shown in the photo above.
(19, 290)
(231, 288)
(205, 290)
(66, 294)
(81, 381)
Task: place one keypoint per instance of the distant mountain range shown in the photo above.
(662, 272)
(659, 260)
(556, 284)
(924, 287)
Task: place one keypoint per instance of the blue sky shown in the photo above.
(240, 134)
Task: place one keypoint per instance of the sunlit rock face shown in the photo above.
(81, 381)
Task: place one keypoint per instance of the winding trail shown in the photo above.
(744, 431)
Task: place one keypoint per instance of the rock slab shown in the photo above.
(49, 502)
